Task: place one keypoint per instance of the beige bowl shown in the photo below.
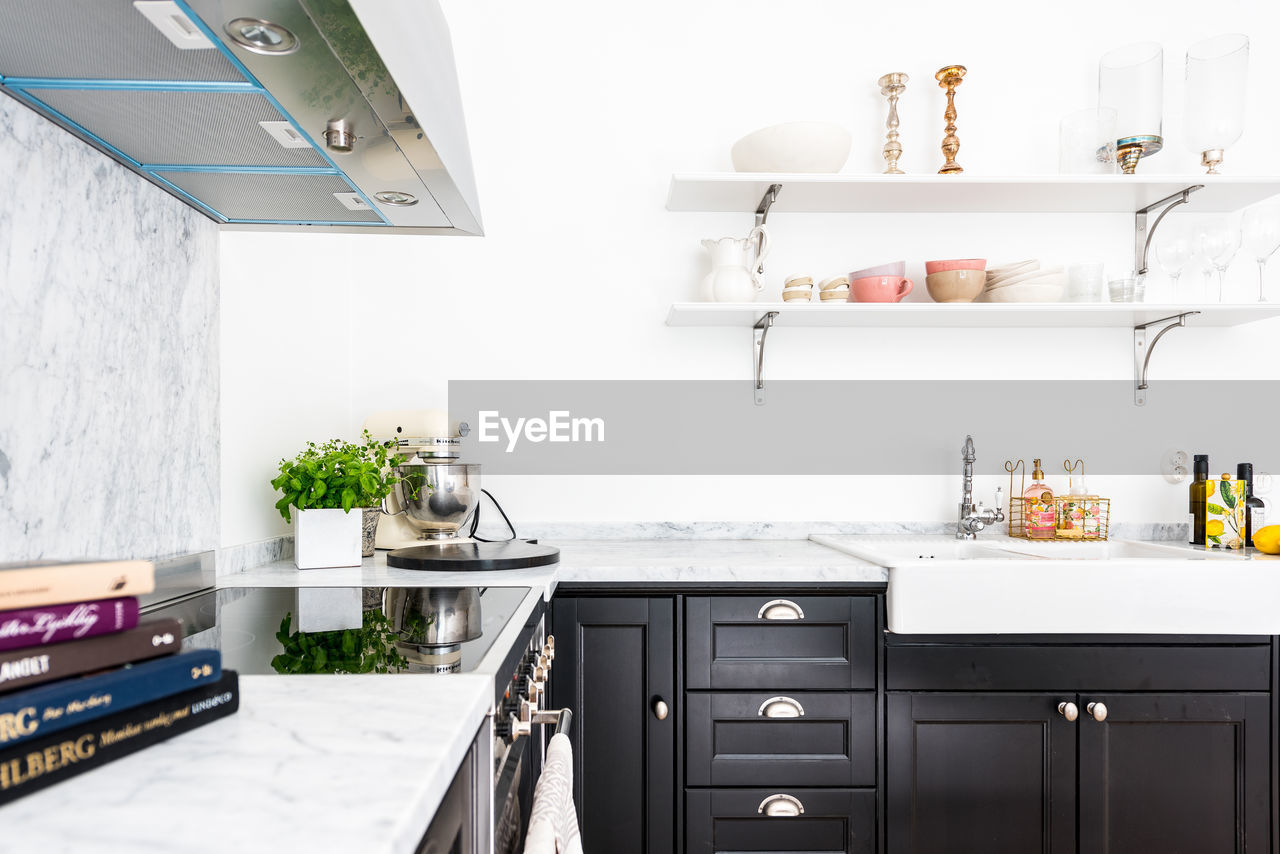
(835, 295)
(955, 285)
(798, 295)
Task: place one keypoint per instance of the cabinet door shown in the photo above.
(1175, 773)
(615, 659)
(980, 774)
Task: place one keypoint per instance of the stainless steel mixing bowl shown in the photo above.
(438, 498)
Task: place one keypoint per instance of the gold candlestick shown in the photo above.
(892, 85)
(949, 78)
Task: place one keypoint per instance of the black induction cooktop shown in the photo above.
(283, 630)
(463, 557)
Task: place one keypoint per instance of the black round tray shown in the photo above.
(455, 557)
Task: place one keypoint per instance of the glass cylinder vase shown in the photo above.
(1215, 89)
(1131, 82)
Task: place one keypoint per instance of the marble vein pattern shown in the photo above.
(108, 355)
(239, 558)
(308, 763)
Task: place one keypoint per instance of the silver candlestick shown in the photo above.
(893, 85)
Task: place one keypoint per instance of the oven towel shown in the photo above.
(553, 822)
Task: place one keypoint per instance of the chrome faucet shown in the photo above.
(973, 518)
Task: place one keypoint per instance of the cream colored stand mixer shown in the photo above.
(437, 495)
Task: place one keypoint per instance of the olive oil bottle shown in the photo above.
(1198, 499)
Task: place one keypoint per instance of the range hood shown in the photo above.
(266, 114)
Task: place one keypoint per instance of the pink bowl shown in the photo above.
(932, 267)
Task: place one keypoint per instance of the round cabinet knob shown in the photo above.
(1068, 710)
(661, 709)
(1098, 711)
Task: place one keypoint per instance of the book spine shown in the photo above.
(70, 621)
(49, 708)
(54, 584)
(37, 764)
(26, 668)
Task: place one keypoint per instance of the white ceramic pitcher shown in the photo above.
(735, 265)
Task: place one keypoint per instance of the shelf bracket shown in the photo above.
(758, 333)
(1142, 351)
(1142, 235)
(762, 216)
(766, 201)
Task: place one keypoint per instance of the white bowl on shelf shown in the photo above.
(1031, 276)
(1027, 292)
(1007, 270)
(793, 147)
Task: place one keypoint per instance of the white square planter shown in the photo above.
(325, 538)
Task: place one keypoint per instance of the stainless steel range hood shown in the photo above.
(266, 114)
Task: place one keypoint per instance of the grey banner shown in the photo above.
(859, 428)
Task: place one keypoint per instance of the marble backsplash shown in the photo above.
(108, 356)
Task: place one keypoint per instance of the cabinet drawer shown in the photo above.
(734, 739)
(735, 821)
(1078, 667)
(781, 643)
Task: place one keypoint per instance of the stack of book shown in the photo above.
(83, 681)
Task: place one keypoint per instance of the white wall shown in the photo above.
(578, 114)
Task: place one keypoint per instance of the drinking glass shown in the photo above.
(1260, 233)
(1087, 142)
(1172, 254)
(1219, 241)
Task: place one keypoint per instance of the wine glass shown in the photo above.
(1172, 254)
(1260, 233)
(1219, 242)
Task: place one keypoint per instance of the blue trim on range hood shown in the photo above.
(18, 86)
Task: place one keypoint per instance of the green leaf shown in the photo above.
(1215, 509)
(318, 489)
(1226, 491)
(348, 499)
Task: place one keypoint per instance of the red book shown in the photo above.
(72, 621)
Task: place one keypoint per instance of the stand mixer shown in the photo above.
(425, 515)
(437, 494)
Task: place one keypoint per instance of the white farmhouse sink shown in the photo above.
(1000, 585)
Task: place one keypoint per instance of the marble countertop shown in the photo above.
(603, 562)
(308, 763)
(710, 562)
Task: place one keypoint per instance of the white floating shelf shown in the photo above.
(965, 315)
(808, 193)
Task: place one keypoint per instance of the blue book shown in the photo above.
(49, 708)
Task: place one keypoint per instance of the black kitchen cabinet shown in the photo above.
(980, 774)
(1182, 768)
(802, 643)
(615, 668)
(1175, 773)
(736, 821)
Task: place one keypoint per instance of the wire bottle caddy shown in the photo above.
(1077, 517)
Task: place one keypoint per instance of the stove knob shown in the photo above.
(549, 649)
(544, 662)
(510, 707)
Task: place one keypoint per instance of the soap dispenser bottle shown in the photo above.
(1038, 513)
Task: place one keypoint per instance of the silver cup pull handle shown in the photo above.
(778, 806)
(780, 609)
(781, 707)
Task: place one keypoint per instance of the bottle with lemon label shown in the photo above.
(1224, 526)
